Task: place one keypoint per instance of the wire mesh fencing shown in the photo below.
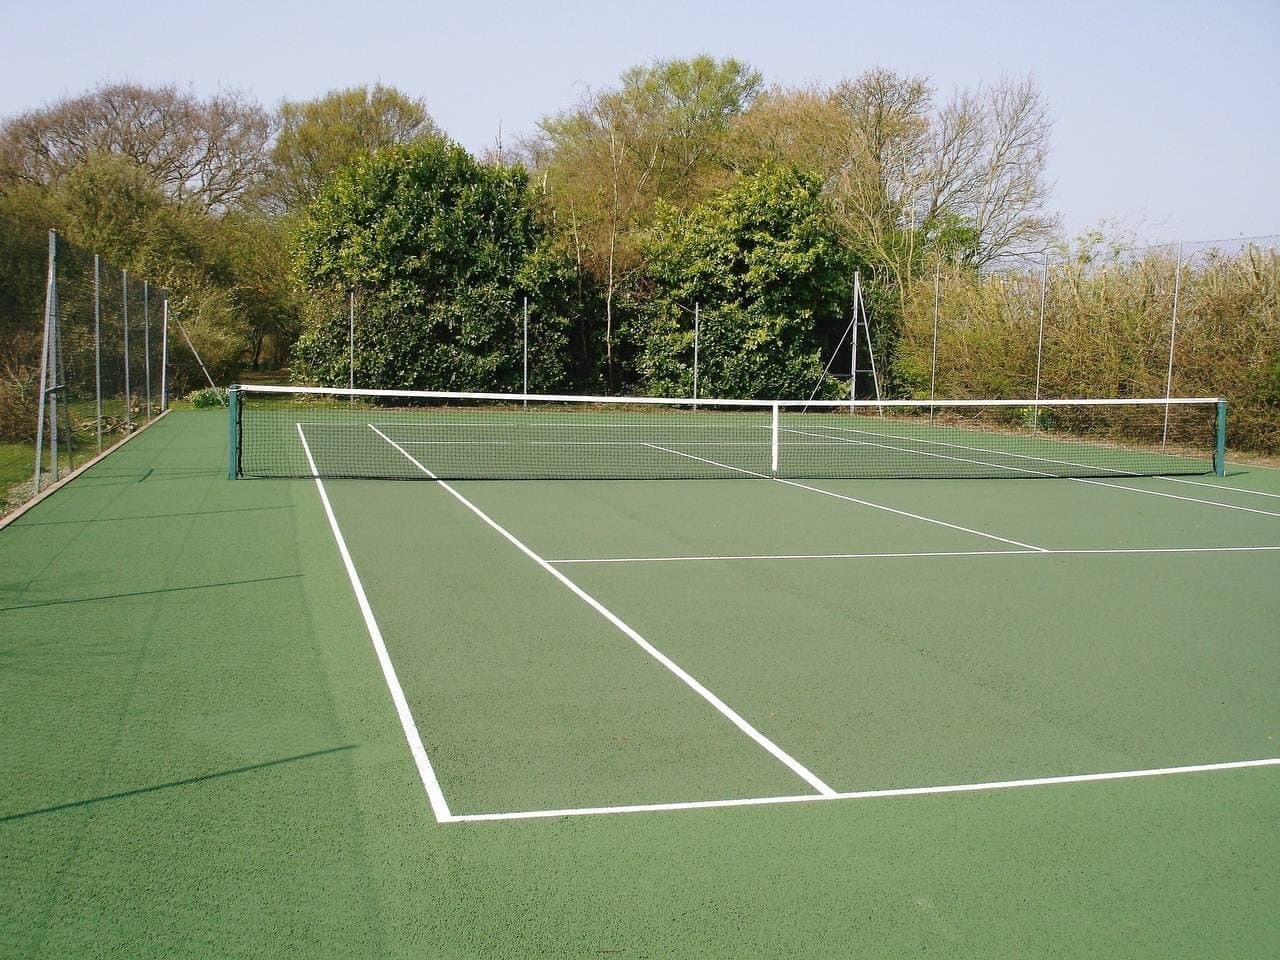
(101, 370)
(1181, 319)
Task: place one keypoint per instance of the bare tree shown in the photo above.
(209, 153)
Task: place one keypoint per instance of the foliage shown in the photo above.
(207, 153)
(440, 252)
(207, 398)
(319, 137)
(605, 165)
(764, 264)
(1107, 327)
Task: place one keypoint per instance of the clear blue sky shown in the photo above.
(1166, 112)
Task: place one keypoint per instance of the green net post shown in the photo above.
(1220, 445)
(233, 433)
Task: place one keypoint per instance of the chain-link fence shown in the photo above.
(99, 373)
(1182, 319)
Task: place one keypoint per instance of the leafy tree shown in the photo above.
(765, 262)
(606, 163)
(319, 137)
(440, 251)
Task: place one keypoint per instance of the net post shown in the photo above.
(1220, 441)
(233, 433)
(773, 441)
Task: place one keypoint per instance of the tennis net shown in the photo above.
(384, 434)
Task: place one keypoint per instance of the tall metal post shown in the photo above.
(97, 344)
(1044, 285)
(697, 334)
(933, 360)
(853, 342)
(1173, 333)
(164, 357)
(128, 396)
(55, 381)
(49, 288)
(351, 341)
(525, 380)
(146, 341)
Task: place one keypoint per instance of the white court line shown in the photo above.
(733, 716)
(841, 496)
(425, 771)
(971, 449)
(1174, 496)
(923, 453)
(1101, 551)
(1100, 483)
(873, 794)
(1222, 486)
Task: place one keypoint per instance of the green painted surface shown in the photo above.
(202, 759)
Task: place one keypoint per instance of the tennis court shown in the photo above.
(791, 716)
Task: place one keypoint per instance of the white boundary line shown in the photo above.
(733, 716)
(873, 794)
(971, 449)
(426, 772)
(1102, 551)
(841, 496)
(1222, 486)
(1174, 496)
(1001, 466)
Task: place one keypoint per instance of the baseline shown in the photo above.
(872, 794)
(1100, 551)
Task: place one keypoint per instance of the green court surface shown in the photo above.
(648, 718)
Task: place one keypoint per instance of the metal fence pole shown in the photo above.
(128, 397)
(50, 281)
(54, 380)
(146, 340)
(525, 382)
(1044, 287)
(697, 334)
(97, 345)
(351, 341)
(853, 345)
(164, 356)
(933, 361)
(1173, 333)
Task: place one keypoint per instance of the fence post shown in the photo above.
(146, 341)
(97, 344)
(1173, 333)
(164, 356)
(1044, 287)
(697, 333)
(124, 308)
(351, 341)
(933, 361)
(525, 380)
(49, 288)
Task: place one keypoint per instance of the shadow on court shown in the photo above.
(140, 791)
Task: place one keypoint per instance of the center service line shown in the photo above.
(735, 718)
(841, 496)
